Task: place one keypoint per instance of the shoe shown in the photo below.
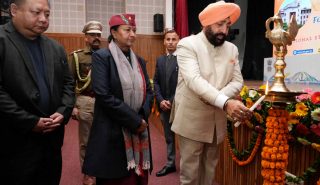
(166, 170)
(89, 180)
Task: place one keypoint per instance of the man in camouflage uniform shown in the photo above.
(80, 65)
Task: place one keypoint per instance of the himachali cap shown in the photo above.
(219, 11)
(122, 19)
(92, 27)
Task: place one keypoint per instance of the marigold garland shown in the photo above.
(241, 158)
(275, 152)
(303, 126)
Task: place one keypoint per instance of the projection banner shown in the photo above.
(303, 58)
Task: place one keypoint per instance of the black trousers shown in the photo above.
(169, 136)
(36, 163)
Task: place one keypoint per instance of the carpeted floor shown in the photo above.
(71, 174)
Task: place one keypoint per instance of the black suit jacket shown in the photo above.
(19, 97)
(159, 79)
(105, 154)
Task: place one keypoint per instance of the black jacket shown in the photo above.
(159, 79)
(105, 155)
(19, 99)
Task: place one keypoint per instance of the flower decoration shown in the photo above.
(258, 117)
(315, 98)
(301, 127)
(315, 129)
(244, 91)
(252, 93)
(301, 109)
(304, 128)
(315, 114)
(256, 123)
(275, 151)
(249, 102)
(304, 97)
(304, 118)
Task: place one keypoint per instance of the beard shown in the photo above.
(216, 39)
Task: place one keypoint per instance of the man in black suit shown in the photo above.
(165, 82)
(36, 97)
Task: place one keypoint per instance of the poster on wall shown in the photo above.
(307, 14)
(303, 57)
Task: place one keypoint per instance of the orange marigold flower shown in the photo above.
(281, 149)
(293, 115)
(293, 121)
(274, 149)
(249, 102)
(258, 117)
(272, 165)
(301, 109)
(279, 156)
(276, 143)
(315, 98)
(278, 165)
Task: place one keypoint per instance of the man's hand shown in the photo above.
(75, 113)
(45, 125)
(57, 118)
(237, 110)
(142, 126)
(165, 105)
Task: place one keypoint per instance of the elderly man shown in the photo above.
(36, 94)
(80, 65)
(209, 76)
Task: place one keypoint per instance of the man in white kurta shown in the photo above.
(209, 76)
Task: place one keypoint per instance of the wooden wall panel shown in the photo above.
(148, 47)
(70, 41)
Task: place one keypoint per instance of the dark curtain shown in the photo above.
(257, 46)
(194, 8)
(181, 18)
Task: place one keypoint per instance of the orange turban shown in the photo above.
(219, 11)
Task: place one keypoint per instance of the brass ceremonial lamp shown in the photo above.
(275, 151)
(280, 39)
